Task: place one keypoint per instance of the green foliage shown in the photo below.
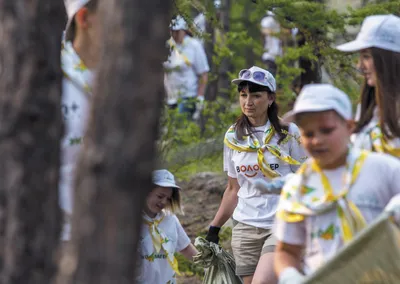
(188, 147)
(242, 45)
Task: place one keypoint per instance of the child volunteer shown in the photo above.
(335, 193)
(162, 234)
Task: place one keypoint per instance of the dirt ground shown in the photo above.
(201, 198)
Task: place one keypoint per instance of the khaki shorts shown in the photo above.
(248, 245)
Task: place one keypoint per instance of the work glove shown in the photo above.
(274, 186)
(199, 107)
(212, 235)
(291, 276)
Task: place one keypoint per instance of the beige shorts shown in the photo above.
(248, 245)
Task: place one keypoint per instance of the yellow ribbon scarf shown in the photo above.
(75, 70)
(250, 143)
(380, 144)
(174, 48)
(298, 200)
(161, 240)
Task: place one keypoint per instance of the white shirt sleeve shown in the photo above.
(200, 63)
(394, 168)
(183, 239)
(229, 167)
(296, 151)
(290, 233)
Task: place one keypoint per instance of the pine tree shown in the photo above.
(30, 133)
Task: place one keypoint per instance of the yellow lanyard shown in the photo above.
(261, 160)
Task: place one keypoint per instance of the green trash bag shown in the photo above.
(219, 265)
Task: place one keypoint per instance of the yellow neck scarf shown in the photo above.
(75, 70)
(174, 48)
(161, 240)
(250, 143)
(380, 144)
(299, 200)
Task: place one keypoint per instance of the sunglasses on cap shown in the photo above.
(257, 76)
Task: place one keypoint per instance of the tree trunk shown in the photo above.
(30, 131)
(114, 173)
(223, 78)
(211, 92)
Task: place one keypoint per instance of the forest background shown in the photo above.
(233, 41)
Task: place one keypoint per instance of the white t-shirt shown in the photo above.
(185, 64)
(154, 267)
(254, 207)
(75, 109)
(362, 140)
(376, 184)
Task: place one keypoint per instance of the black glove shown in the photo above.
(212, 235)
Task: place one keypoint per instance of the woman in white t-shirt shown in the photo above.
(378, 43)
(186, 70)
(258, 147)
(162, 234)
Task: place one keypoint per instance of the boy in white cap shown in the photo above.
(335, 193)
(162, 234)
(78, 60)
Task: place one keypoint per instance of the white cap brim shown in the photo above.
(166, 184)
(238, 81)
(354, 45)
(290, 116)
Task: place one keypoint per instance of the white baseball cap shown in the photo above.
(321, 97)
(72, 7)
(381, 31)
(164, 178)
(257, 76)
(178, 24)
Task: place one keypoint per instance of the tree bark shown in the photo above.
(114, 173)
(30, 133)
(223, 78)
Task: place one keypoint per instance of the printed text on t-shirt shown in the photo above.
(251, 171)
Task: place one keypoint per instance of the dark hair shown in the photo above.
(243, 126)
(385, 95)
(189, 33)
(92, 7)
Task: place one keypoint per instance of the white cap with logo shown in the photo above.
(257, 76)
(381, 31)
(164, 178)
(319, 98)
(72, 7)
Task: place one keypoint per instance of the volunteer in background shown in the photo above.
(186, 70)
(78, 60)
(270, 28)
